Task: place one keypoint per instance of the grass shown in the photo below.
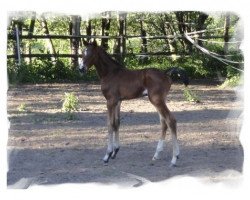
(70, 104)
(191, 96)
(231, 82)
(22, 108)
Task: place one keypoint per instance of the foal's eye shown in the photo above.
(85, 52)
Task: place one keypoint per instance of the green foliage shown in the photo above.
(22, 108)
(70, 104)
(41, 71)
(231, 82)
(194, 62)
(191, 96)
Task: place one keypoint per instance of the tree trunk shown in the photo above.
(105, 30)
(50, 45)
(172, 43)
(180, 16)
(121, 45)
(144, 49)
(75, 31)
(226, 33)
(201, 25)
(169, 30)
(32, 24)
(31, 30)
(88, 30)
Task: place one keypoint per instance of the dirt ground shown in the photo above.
(45, 147)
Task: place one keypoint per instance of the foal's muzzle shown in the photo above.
(82, 68)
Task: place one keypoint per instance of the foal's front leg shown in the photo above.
(110, 145)
(113, 126)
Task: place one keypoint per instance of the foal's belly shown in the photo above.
(127, 93)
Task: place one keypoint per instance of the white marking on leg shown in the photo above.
(160, 146)
(116, 140)
(110, 145)
(173, 161)
(81, 65)
(176, 150)
(106, 157)
(145, 92)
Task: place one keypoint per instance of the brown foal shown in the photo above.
(118, 84)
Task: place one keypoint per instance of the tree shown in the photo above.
(226, 32)
(50, 45)
(74, 29)
(106, 21)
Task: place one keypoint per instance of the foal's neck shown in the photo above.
(106, 64)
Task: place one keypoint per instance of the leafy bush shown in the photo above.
(41, 71)
(196, 64)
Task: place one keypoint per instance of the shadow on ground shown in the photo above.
(132, 167)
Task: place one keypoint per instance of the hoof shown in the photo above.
(172, 165)
(178, 157)
(114, 153)
(155, 158)
(106, 157)
(105, 163)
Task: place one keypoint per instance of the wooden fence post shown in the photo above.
(17, 46)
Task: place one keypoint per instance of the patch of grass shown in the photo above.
(22, 108)
(191, 96)
(70, 104)
(231, 82)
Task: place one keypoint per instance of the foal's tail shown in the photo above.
(178, 73)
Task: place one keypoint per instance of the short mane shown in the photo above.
(107, 57)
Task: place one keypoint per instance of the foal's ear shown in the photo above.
(85, 43)
(94, 43)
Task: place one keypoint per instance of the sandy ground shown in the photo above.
(45, 147)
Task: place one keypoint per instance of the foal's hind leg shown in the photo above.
(161, 143)
(170, 121)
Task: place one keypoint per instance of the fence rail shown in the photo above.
(13, 37)
(117, 54)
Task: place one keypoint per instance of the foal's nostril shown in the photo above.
(82, 68)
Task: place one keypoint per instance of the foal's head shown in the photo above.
(89, 56)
